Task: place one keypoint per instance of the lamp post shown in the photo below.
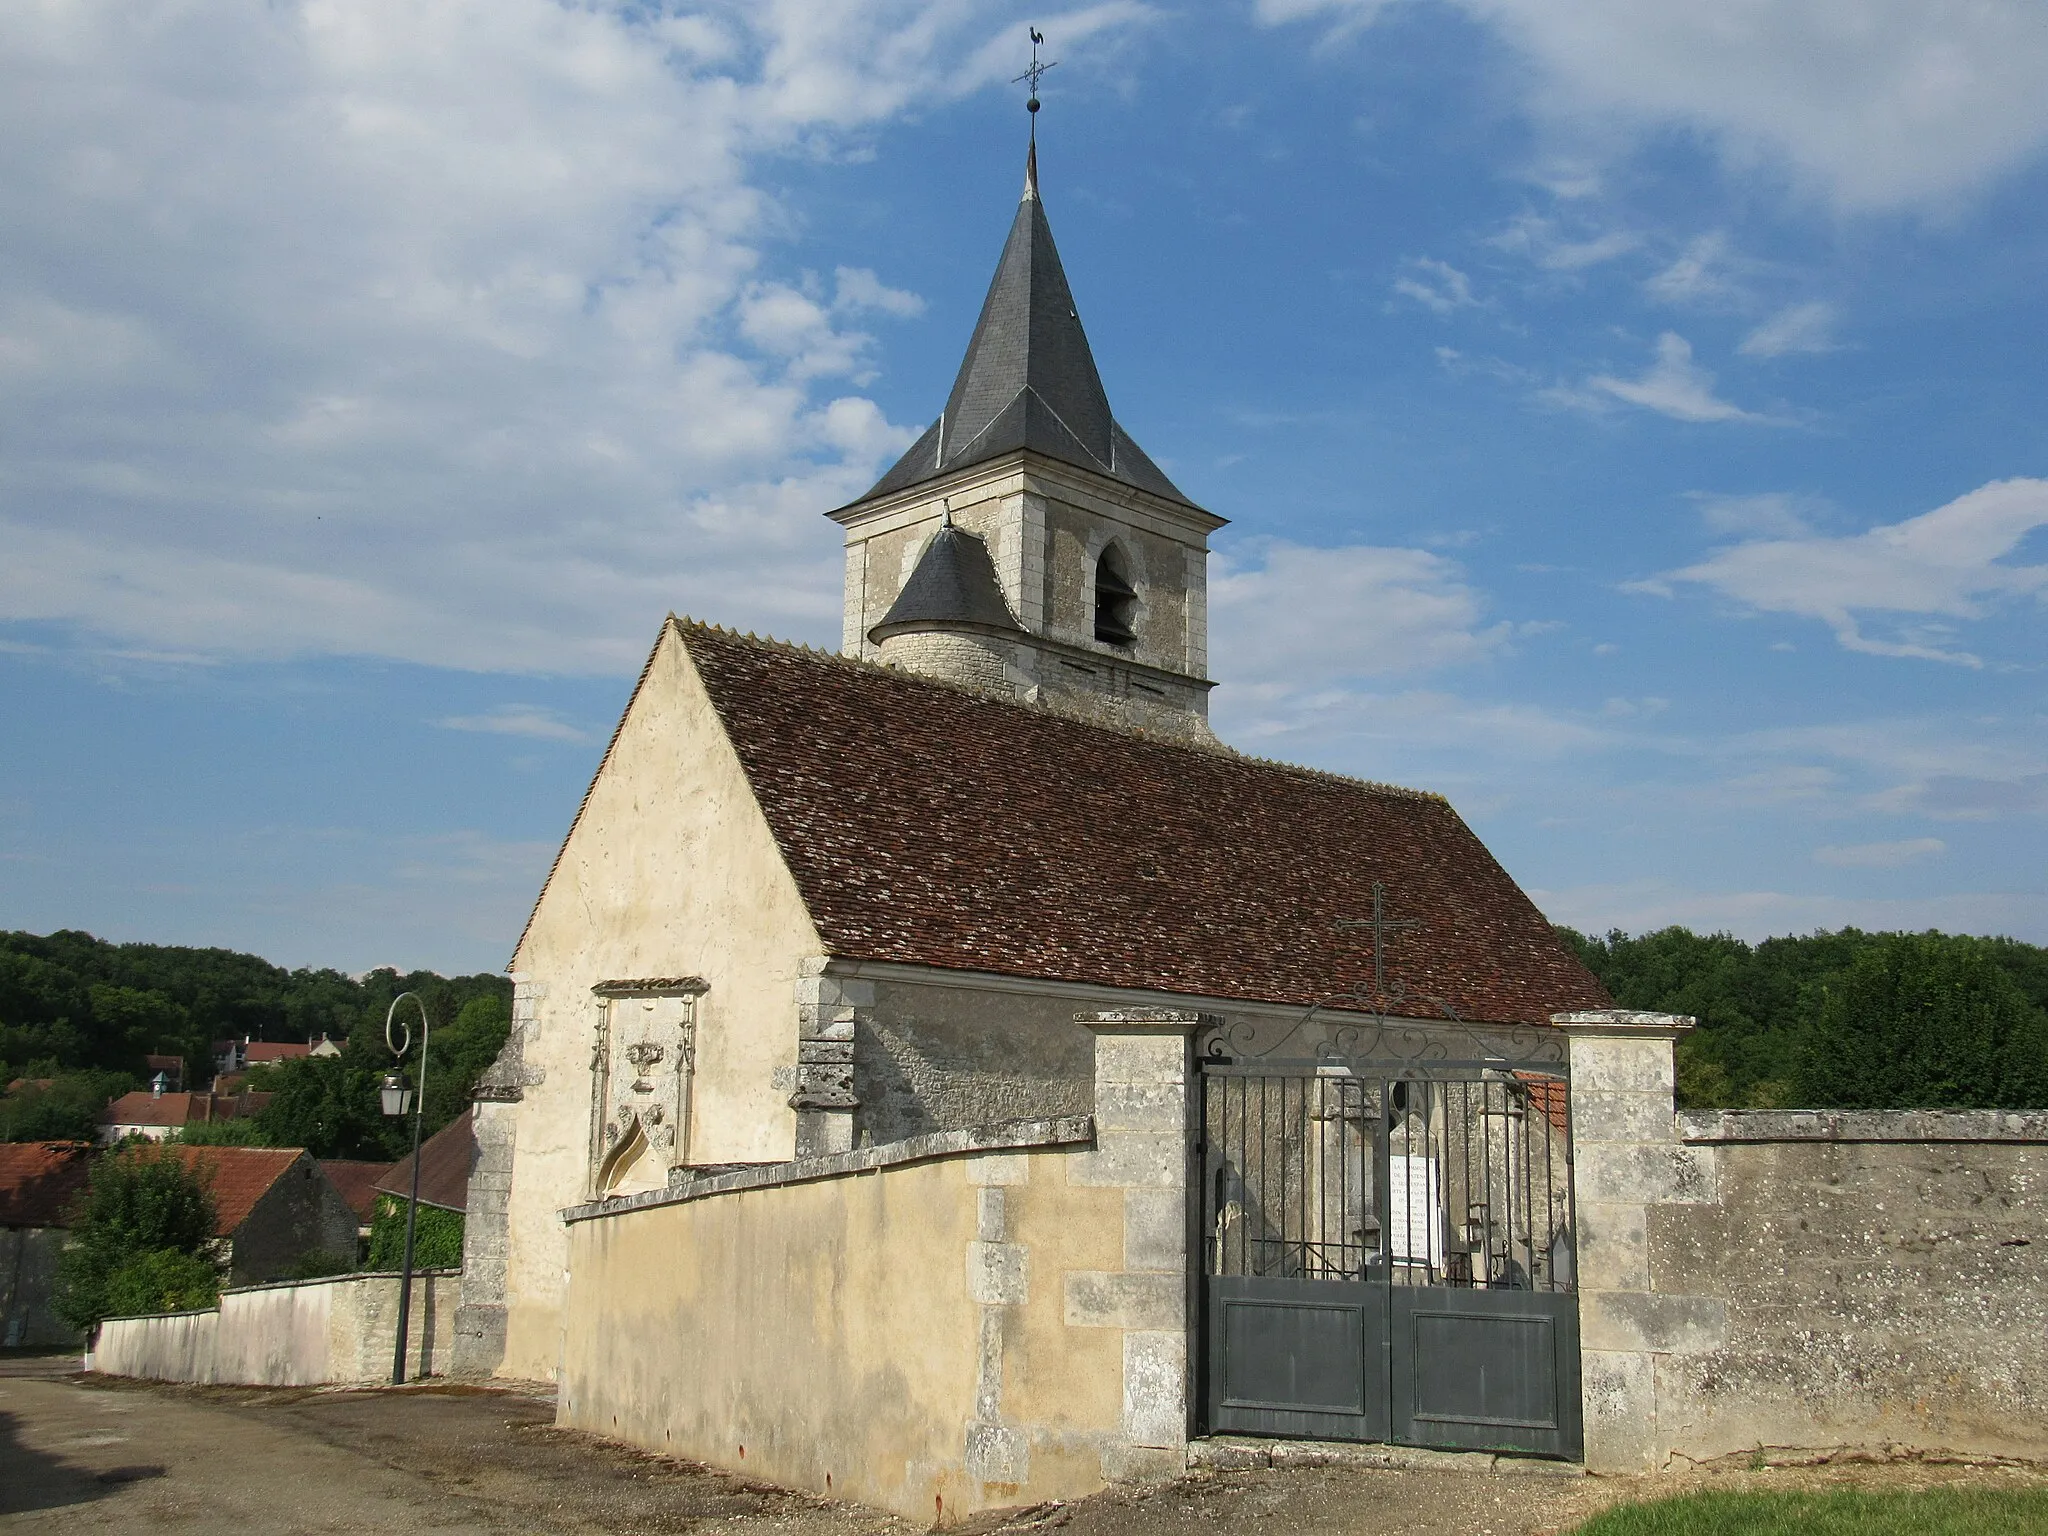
(397, 1100)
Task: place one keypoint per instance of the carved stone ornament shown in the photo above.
(640, 1082)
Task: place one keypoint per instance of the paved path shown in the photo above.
(86, 1453)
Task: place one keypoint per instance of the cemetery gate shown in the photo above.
(1387, 1251)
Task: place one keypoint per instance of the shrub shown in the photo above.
(142, 1208)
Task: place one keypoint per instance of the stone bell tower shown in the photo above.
(1025, 544)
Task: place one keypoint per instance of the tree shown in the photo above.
(436, 1238)
(141, 1239)
(68, 1109)
(1925, 1021)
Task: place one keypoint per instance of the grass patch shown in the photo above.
(1837, 1512)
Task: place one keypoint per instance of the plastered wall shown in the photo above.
(292, 1334)
(671, 870)
(962, 1328)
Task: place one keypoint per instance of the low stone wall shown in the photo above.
(1866, 1279)
(1795, 1280)
(289, 1334)
(961, 1321)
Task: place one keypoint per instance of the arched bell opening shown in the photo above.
(1116, 600)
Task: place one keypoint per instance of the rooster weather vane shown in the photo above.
(1032, 74)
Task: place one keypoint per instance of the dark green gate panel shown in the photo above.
(1297, 1357)
(1486, 1370)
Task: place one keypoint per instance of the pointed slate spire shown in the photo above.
(1029, 379)
(954, 584)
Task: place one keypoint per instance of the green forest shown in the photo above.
(1843, 1020)
(79, 1014)
(1829, 1020)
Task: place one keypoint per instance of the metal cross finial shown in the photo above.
(1383, 927)
(1032, 74)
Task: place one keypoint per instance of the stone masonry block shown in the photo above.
(1623, 1066)
(1158, 1058)
(998, 1274)
(999, 1168)
(988, 1214)
(1114, 1299)
(1131, 1159)
(1615, 1115)
(1624, 1173)
(1155, 1230)
(1141, 1107)
(824, 1052)
(1613, 1248)
(1155, 1388)
(1619, 1398)
(996, 1454)
(1145, 1465)
(1631, 1321)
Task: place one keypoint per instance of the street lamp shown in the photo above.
(397, 1100)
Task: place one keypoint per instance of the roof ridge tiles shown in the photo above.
(1042, 707)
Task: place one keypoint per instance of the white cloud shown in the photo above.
(1880, 855)
(1872, 103)
(1544, 242)
(1703, 273)
(1673, 385)
(446, 330)
(1436, 285)
(1304, 617)
(1947, 564)
(1779, 514)
(516, 720)
(1798, 328)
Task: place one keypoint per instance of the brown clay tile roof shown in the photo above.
(445, 1162)
(145, 1108)
(356, 1181)
(175, 1109)
(932, 826)
(264, 1050)
(240, 1177)
(39, 1180)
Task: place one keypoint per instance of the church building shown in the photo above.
(934, 1062)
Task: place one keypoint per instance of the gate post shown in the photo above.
(1626, 1161)
(1146, 1099)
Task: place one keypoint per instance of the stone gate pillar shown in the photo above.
(1627, 1161)
(1146, 1098)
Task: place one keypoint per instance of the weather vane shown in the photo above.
(1032, 74)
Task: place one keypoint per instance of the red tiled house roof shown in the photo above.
(241, 1176)
(932, 826)
(357, 1182)
(39, 1180)
(445, 1162)
(257, 1051)
(175, 1109)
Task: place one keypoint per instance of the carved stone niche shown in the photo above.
(640, 1077)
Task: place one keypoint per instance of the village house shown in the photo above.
(273, 1210)
(154, 1114)
(39, 1183)
(943, 1074)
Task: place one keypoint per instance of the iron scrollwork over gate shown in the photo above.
(1388, 1246)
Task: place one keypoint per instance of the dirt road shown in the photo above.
(87, 1453)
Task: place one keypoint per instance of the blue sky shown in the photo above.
(1633, 420)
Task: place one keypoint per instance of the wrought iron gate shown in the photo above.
(1388, 1253)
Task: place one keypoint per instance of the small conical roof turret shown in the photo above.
(1029, 378)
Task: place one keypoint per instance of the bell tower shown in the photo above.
(1025, 545)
